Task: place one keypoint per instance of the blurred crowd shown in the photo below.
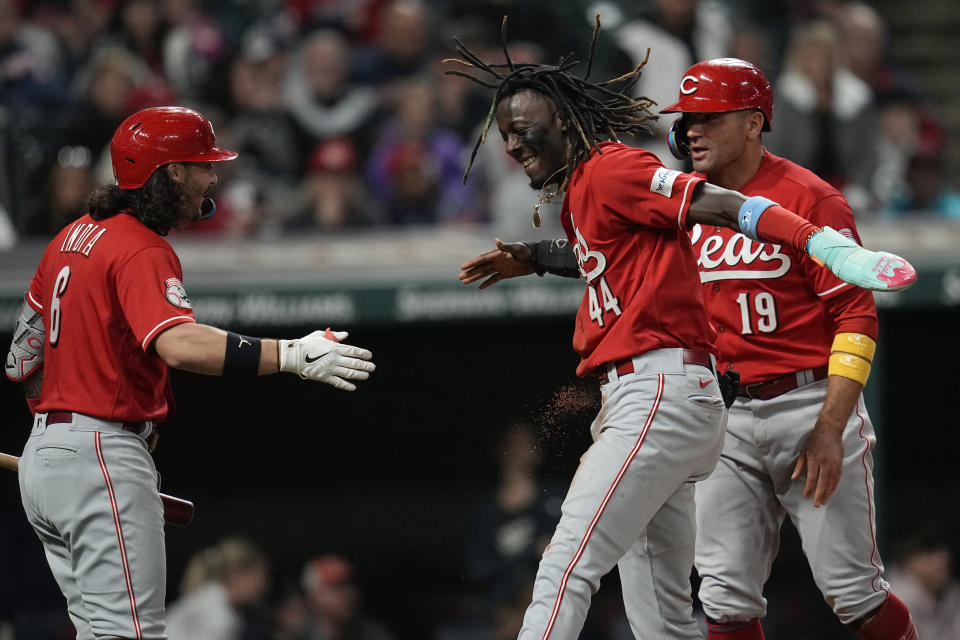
(344, 118)
(224, 596)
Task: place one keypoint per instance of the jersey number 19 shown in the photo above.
(766, 313)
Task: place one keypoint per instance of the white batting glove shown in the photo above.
(322, 357)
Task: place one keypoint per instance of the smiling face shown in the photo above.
(534, 136)
(725, 146)
(195, 180)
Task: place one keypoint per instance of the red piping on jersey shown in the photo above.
(149, 336)
(866, 482)
(603, 505)
(116, 524)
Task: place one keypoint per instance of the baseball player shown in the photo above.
(642, 328)
(105, 317)
(802, 340)
(799, 439)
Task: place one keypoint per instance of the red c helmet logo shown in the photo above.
(685, 89)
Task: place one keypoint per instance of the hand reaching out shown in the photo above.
(508, 260)
(321, 356)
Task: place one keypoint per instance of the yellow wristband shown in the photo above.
(856, 344)
(849, 366)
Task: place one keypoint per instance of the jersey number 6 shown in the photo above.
(59, 288)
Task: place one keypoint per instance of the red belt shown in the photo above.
(779, 386)
(59, 417)
(625, 365)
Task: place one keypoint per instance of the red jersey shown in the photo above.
(106, 289)
(625, 215)
(775, 309)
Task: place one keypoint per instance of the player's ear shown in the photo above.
(754, 124)
(177, 172)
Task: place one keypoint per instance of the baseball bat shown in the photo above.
(176, 511)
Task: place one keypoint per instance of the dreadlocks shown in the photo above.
(595, 110)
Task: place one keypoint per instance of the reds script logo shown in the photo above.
(584, 256)
(600, 297)
(736, 251)
(176, 294)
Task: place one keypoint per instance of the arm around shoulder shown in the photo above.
(716, 206)
(713, 205)
(763, 220)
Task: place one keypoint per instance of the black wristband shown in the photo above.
(553, 256)
(534, 248)
(242, 355)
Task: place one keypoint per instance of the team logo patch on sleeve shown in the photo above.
(176, 294)
(662, 182)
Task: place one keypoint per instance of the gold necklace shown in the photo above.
(546, 197)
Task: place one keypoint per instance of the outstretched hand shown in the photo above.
(322, 356)
(508, 260)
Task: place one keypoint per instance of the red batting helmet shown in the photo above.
(160, 135)
(724, 84)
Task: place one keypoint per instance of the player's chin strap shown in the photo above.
(677, 140)
(207, 209)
